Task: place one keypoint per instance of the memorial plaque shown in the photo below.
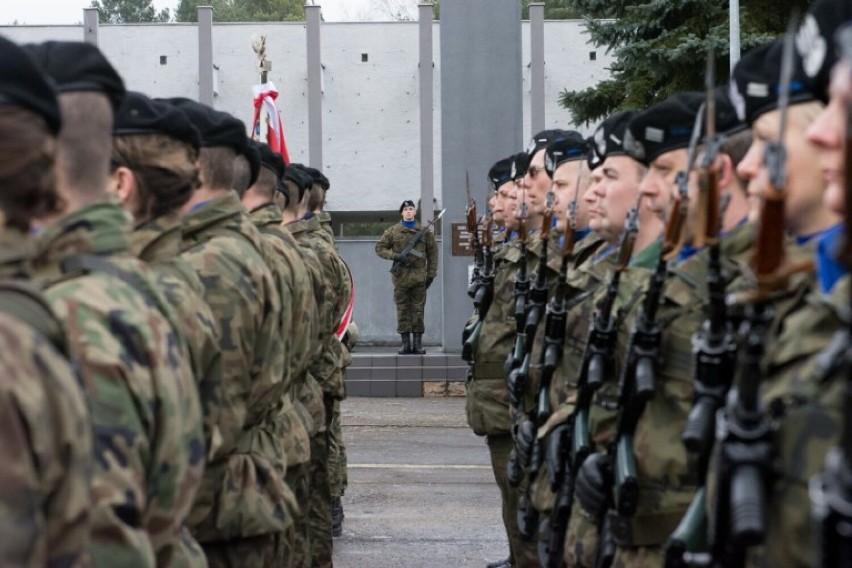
(461, 240)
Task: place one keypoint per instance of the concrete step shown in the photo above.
(384, 373)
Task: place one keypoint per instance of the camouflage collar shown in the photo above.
(159, 239)
(99, 228)
(16, 250)
(212, 213)
(269, 214)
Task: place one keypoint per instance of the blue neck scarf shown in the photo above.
(409, 224)
(828, 269)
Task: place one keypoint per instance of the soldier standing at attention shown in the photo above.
(46, 433)
(416, 272)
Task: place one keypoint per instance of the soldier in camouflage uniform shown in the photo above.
(244, 507)
(303, 326)
(153, 174)
(415, 274)
(123, 334)
(46, 449)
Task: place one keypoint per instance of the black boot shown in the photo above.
(500, 564)
(337, 517)
(418, 344)
(405, 349)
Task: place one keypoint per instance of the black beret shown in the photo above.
(608, 139)
(755, 82)
(544, 138)
(571, 148)
(520, 163)
(315, 175)
(501, 172)
(139, 114)
(664, 127)
(727, 120)
(271, 160)
(406, 203)
(77, 67)
(23, 85)
(298, 176)
(814, 43)
(216, 128)
(252, 155)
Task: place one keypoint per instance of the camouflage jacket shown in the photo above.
(338, 289)
(302, 323)
(46, 451)
(423, 260)
(243, 493)
(158, 242)
(146, 414)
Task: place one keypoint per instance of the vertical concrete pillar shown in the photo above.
(537, 119)
(481, 122)
(90, 25)
(205, 55)
(427, 128)
(312, 17)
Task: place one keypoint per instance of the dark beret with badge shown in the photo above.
(545, 138)
(520, 163)
(501, 172)
(407, 203)
(815, 43)
(216, 128)
(77, 67)
(755, 83)
(662, 128)
(271, 160)
(608, 139)
(139, 114)
(569, 149)
(23, 85)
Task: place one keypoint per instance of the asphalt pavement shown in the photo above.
(421, 492)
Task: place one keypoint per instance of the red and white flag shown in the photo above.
(267, 125)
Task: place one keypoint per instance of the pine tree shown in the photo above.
(129, 12)
(243, 10)
(659, 47)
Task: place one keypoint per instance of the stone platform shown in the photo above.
(380, 372)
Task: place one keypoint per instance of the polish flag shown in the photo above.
(266, 113)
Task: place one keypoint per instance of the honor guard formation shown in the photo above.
(660, 345)
(172, 310)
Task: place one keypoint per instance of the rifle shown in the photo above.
(484, 293)
(742, 433)
(398, 265)
(552, 530)
(831, 490)
(527, 514)
(515, 383)
(472, 225)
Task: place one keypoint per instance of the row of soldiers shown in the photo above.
(172, 307)
(660, 344)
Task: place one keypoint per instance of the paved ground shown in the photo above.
(421, 493)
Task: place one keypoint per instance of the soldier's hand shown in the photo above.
(592, 488)
(399, 257)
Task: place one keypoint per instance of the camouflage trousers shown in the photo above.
(319, 504)
(523, 554)
(263, 551)
(338, 478)
(410, 306)
(298, 552)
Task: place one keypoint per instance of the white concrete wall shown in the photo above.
(370, 110)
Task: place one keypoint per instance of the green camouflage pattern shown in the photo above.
(337, 462)
(319, 505)
(158, 242)
(46, 451)
(146, 414)
(423, 259)
(302, 324)
(410, 302)
(244, 493)
(500, 447)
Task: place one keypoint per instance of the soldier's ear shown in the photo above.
(122, 183)
(726, 174)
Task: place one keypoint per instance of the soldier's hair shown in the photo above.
(291, 196)
(316, 198)
(84, 143)
(265, 184)
(164, 168)
(242, 175)
(736, 147)
(27, 175)
(217, 166)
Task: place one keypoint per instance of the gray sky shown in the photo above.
(35, 12)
